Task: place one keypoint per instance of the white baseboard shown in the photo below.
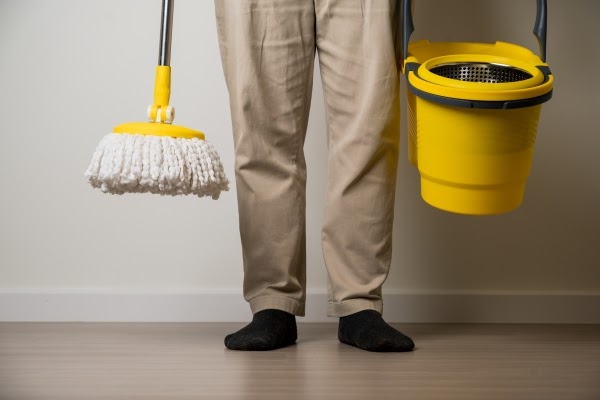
(228, 305)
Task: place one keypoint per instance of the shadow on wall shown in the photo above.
(551, 241)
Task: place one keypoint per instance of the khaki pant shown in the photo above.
(268, 50)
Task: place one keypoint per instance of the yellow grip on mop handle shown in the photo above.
(162, 86)
(162, 93)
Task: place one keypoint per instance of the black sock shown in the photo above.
(270, 329)
(367, 330)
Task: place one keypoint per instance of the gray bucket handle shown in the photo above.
(539, 30)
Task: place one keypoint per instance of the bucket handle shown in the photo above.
(539, 29)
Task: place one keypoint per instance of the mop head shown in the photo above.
(135, 163)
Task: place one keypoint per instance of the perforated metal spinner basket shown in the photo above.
(480, 72)
(473, 112)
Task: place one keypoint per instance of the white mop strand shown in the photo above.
(133, 163)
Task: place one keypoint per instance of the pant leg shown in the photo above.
(267, 51)
(359, 53)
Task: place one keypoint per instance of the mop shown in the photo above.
(156, 156)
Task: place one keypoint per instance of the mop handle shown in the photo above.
(166, 27)
(539, 29)
(160, 110)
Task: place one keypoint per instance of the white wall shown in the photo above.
(71, 70)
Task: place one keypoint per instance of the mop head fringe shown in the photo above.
(134, 163)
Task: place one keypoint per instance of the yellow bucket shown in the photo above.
(473, 112)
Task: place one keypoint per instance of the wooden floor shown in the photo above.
(172, 361)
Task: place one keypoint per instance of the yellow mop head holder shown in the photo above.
(160, 114)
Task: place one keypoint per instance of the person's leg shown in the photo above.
(267, 51)
(359, 55)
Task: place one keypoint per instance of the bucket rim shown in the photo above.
(469, 98)
(537, 76)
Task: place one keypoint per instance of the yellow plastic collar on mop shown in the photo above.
(158, 113)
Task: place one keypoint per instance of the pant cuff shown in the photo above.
(352, 306)
(278, 302)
